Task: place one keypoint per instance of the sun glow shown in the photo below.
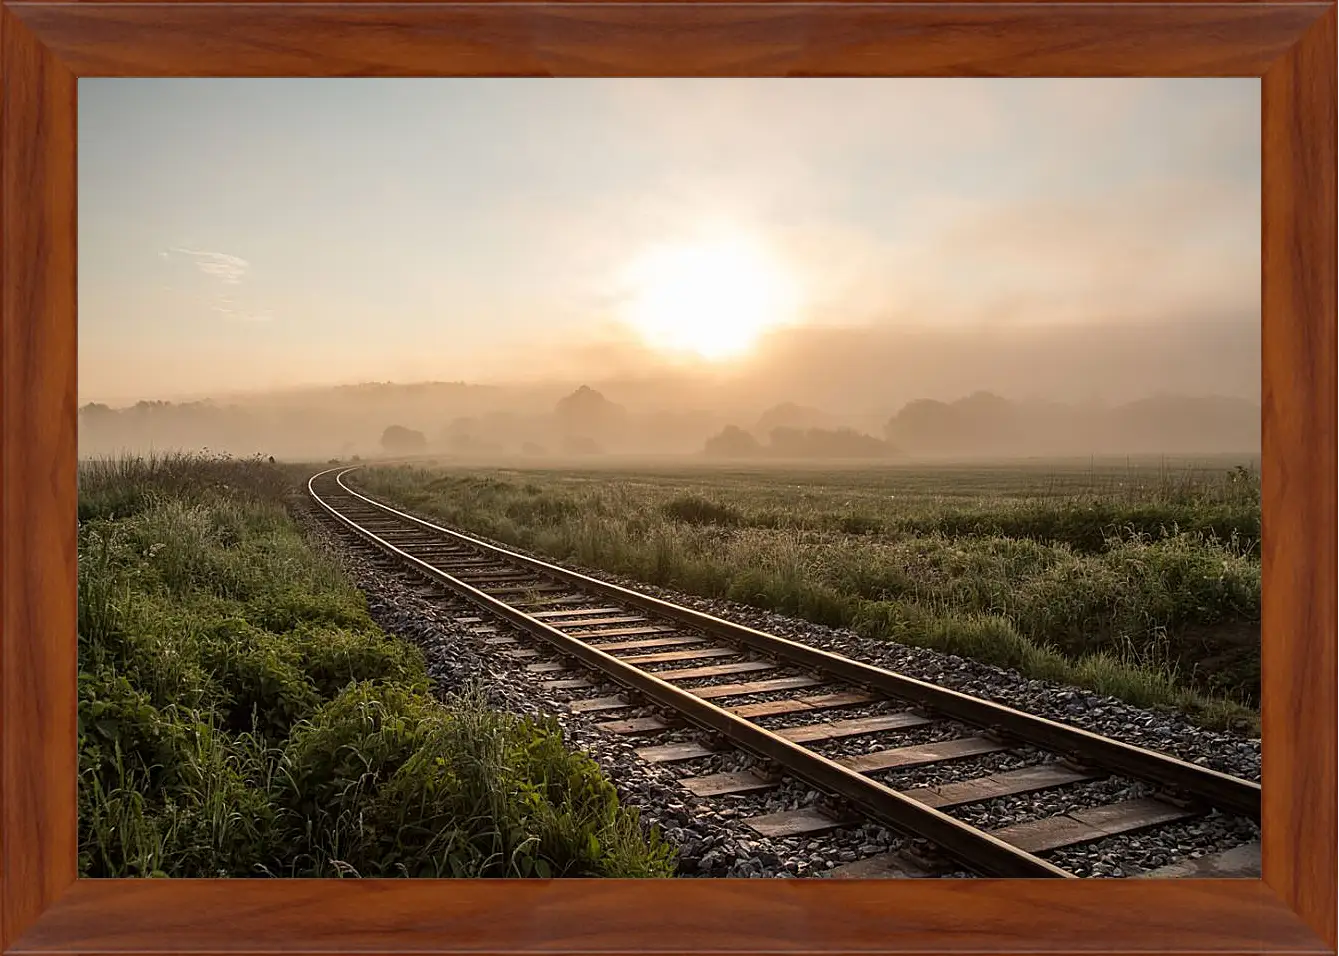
(713, 298)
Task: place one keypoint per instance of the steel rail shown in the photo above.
(1218, 789)
(976, 849)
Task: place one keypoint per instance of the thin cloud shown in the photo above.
(228, 269)
(242, 315)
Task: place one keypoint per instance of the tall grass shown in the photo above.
(1144, 584)
(241, 715)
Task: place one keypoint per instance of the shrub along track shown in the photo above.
(819, 722)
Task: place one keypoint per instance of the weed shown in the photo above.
(241, 715)
(1130, 580)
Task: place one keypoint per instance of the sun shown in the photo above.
(713, 298)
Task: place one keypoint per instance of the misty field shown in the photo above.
(1136, 579)
(240, 714)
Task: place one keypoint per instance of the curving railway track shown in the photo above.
(695, 686)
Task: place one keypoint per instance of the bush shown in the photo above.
(284, 607)
(209, 819)
(121, 731)
(458, 791)
(332, 658)
(260, 677)
(696, 510)
(240, 714)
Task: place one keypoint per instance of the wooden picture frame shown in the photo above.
(47, 46)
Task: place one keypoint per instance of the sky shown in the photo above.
(248, 234)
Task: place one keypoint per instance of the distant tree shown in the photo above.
(827, 443)
(469, 445)
(732, 442)
(790, 415)
(988, 422)
(980, 423)
(581, 445)
(587, 412)
(95, 410)
(924, 424)
(399, 440)
(459, 428)
(788, 443)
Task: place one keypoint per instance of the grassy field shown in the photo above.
(1136, 579)
(241, 715)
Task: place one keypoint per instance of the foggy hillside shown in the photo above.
(1187, 387)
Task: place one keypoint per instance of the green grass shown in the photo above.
(1140, 580)
(241, 715)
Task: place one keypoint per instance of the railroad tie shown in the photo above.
(692, 673)
(671, 753)
(1026, 780)
(774, 708)
(1094, 823)
(881, 866)
(634, 725)
(1242, 862)
(649, 642)
(548, 667)
(578, 612)
(922, 754)
(571, 683)
(720, 784)
(754, 687)
(596, 704)
(837, 729)
(670, 656)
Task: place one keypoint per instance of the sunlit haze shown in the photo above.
(712, 297)
(847, 244)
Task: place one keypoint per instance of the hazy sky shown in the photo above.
(240, 234)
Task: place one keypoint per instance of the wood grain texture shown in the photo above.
(1200, 39)
(43, 46)
(479, 4)
(617, 916)
(1298, 478)
(37, 478)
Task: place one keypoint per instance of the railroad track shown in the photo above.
(716, 686)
